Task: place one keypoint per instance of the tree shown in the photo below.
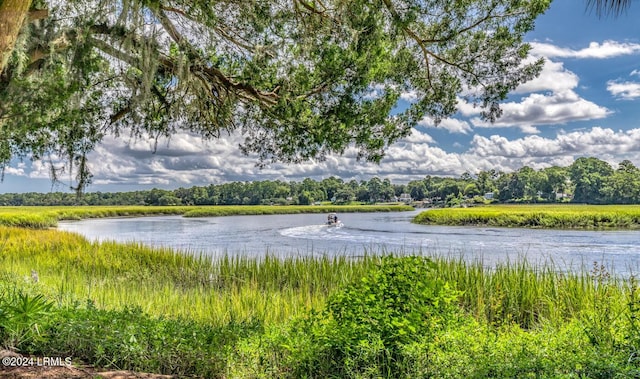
(417, 189)
(375, 189)
(510, 186)
(344, 195)
(589, 175)
(332, 186)
(305, 198)
(535, 183)
(486, 181)
(623, 186)
(299, 79)
(388, 192)
(471, 190)
(447, 187)
(556, 181)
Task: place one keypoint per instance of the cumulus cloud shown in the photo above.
(116, 162)
(545, 109)
(597, 141)
(551, 98)
(595, 50)
(417, 136)
(410, 96)
(624, 90)
(554, 77)
(16, 171)
(452, 125)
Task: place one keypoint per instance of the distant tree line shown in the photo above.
(587, 180)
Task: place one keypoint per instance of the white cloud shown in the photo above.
(115, 162)
(634, 73)
(410, 96)
(418, 137)
(607, 49)
(551, 98)
(554, 77)
(467, 109)
(597, 141)
(545, 109)
(624, 90)
(452, 125)
(17, 171)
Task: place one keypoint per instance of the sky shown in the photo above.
(586, 102)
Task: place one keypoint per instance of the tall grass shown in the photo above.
(521, 293)
(271, 290)
(165, 282)
(538, 216)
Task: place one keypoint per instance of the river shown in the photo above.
(306, 234)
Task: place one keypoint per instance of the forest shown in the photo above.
(587, 180)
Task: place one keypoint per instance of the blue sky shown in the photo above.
(585, 103)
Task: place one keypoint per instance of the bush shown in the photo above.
(365, 327)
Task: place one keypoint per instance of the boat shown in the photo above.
(332, 220)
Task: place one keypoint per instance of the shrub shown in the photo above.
(365, 327)
(130, 339)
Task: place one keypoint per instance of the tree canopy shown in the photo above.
(297, 79)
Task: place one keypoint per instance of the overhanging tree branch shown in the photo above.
(13, 14)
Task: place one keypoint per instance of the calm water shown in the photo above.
(373, 232)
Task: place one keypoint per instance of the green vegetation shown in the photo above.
(162, 282)
(133, 307)
(47, 217)
(537, 216)
(265, 210)
(298, 90)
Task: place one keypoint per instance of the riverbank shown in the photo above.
(128, 306)
(557, 216)
(48, 217)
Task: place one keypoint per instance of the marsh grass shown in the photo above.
(48, 217)
(518, 292)
(537, 216)
(165, 282)
(271, 289)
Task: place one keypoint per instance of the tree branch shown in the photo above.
(119, 115)
(38, 14)
(414, 36)
(12, 16)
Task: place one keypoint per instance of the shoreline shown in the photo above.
(47, 217)
(555, 217)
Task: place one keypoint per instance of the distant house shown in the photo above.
(488, 195)
(405, 198)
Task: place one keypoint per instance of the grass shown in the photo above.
(48, 217)
(164, 282)
(537, 216)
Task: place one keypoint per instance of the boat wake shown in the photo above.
(347, 235)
